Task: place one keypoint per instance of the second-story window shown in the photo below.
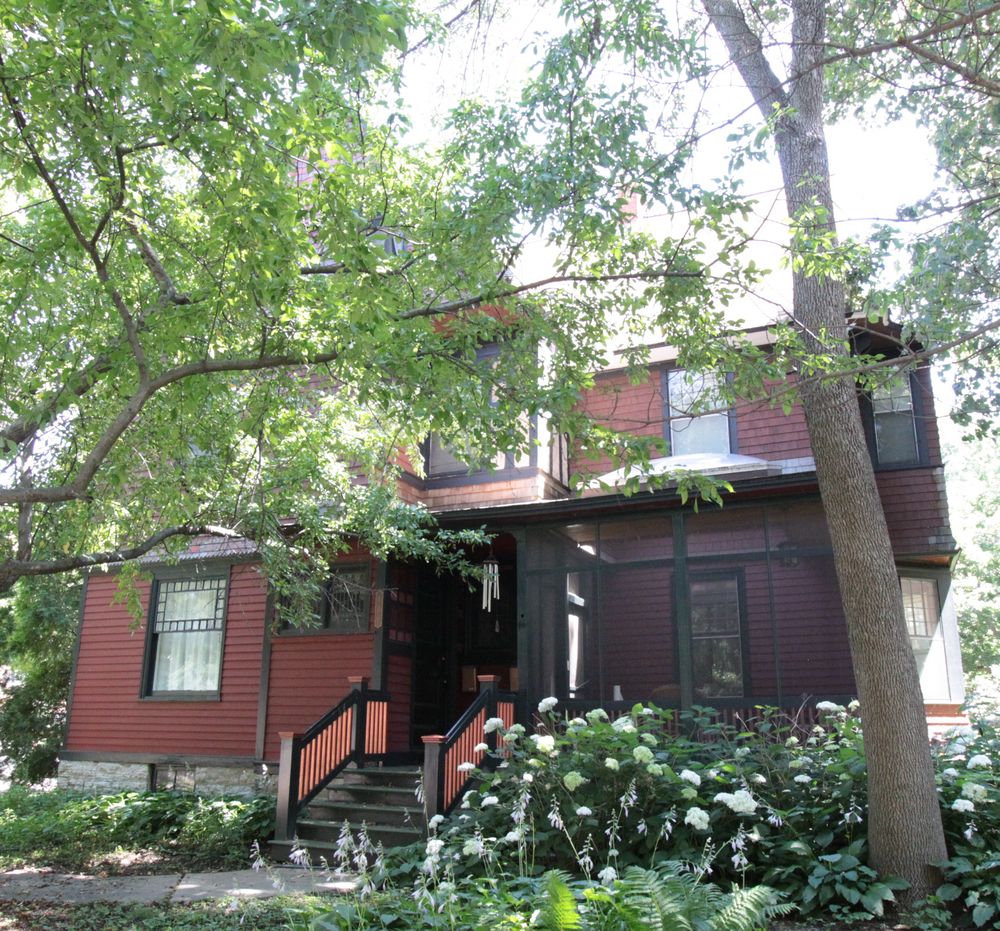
(697, 415)
(894, 421)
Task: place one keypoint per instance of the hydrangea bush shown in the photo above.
(775, 803)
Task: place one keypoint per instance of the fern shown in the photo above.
(558, 911)
(671, 898)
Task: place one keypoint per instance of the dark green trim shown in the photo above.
(173, 759)
(265, 676)
(76, 654)
(682, 613)
(380, 653)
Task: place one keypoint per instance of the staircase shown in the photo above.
(382, 798)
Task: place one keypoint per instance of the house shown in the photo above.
(599, 599)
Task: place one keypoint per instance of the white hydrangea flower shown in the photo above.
(494, 724)
(584, 812)
(648, 739)
(527, 777)
(654, 769)
(489, 801)
(473, 847)
(741, 802)
(512, 837)
(950, 773)
(963, 804)
(544, 743)
(612, 764)
(797, 763)
(608, 875)
(466, 767)
(578, 722)
(697, 818)
(758, 779)
(434, 847)
(741, 752)
(853, 705)
(691, 776)
(547, 704)
(792, 742)
(979, 761)
(642, 754)
(598, 714)
(573, 780)
(974, 791)
(480, 748)
(624, 725)
(829, 707)
(802, 778)
(435, 822)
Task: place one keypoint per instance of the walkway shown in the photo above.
(33, 885)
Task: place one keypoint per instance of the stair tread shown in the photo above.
(386, 771)
(362, 787)
(356, 825)
(388, 809)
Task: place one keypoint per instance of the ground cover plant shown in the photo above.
(779, 805)
(225, 915)
(142, 832)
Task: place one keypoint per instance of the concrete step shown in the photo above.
(401, 776)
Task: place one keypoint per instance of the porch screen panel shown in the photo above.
(638, 636)
(729, 530)
(812, 637)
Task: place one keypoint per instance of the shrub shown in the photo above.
(72, 831)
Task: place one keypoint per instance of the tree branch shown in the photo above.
(168, 291)
(13, 569)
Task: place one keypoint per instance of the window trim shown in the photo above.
(723, 575)
(181, 574)
(920, 437)
(668, 418)
(284, 629)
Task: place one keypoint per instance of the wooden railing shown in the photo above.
(445, 776)
(352, 731)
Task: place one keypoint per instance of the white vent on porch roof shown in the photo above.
(721, 464)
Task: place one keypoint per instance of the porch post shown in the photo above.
(359, 684)
(488, 687)
(433, 800)
(288, 787)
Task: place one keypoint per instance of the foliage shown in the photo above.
(231, 251)
(37, 632)
(668, 898)
(259, 914)
(74, 832)
(776, 805)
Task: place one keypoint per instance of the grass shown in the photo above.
(129, 833)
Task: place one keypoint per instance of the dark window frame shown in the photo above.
(918, 414)
(323, 609)
(668, 417)
(167, 576)
(722, 575)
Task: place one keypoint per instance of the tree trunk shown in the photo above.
(905, 834)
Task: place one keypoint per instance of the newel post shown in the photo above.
(359, 684)
(288, 787)
(433, 789)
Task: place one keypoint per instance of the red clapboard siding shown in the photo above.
(108, 714)
(308, 677)
(916, 509)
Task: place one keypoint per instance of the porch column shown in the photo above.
(288, 787)
(433, 747)
(359, 684)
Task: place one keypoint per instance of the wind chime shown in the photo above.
(491, 586)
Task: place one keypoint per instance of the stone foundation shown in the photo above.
(101, 778)
(95, 776)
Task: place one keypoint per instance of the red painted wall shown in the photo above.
(108, 714)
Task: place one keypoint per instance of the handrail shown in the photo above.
(350, 732)
(444, 780)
